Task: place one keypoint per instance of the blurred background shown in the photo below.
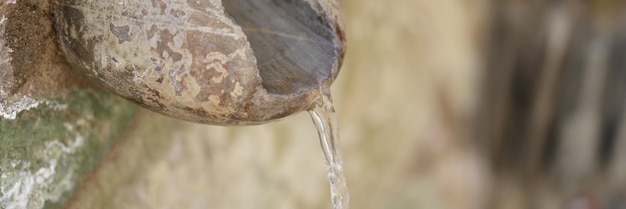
(441, 104)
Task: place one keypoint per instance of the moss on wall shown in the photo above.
(51, 144)
(54, 124)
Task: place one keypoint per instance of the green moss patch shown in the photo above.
(52, 144)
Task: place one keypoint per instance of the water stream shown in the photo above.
(325, 119)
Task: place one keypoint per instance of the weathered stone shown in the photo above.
(54, 125)
(240, 63)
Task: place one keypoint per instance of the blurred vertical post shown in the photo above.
(552, 101)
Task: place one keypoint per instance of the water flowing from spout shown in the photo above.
(325, 119)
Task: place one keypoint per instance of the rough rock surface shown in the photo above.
(54, 125)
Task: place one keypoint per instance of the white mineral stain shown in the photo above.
(139, 77)
(23, 188)
(174, 79)
(219, 69)
(237, 91)
(10, 109)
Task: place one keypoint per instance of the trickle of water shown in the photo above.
(325, 119)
